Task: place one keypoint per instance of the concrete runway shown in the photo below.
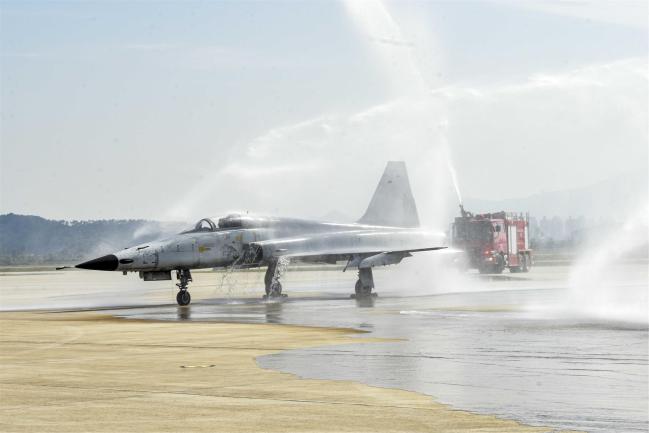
(509, 345)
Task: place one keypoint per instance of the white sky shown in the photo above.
(177, 110)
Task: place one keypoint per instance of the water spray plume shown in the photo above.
(443, 126)
(594, 289)
(604, 284)
(451, 169)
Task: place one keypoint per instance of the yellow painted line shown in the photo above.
(198, 366)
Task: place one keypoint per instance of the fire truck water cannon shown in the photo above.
(492, 242)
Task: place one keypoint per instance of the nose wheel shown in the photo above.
(183, 298)
(184, 278)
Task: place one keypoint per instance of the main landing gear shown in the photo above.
(274, 272)
(184, 278)
(364, 284)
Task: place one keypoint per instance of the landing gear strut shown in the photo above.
(184, 278)
(364, 284)
(271, 280)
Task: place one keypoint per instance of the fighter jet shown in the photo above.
(387, 233)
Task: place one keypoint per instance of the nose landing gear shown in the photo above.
(184, 278)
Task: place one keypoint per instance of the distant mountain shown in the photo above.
(610, 199)
(28, 239)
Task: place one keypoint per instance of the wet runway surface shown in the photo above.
(507, 347)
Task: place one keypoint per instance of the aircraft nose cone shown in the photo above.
(105, 263)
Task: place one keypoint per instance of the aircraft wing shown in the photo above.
(360, 248)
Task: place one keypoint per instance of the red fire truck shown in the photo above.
(493, 241)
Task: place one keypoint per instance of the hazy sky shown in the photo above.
(178, 109)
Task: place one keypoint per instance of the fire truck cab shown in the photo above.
(493, 241)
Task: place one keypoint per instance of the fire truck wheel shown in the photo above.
(517, 269)
(500, 264)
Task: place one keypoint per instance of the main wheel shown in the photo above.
(183, 298)
(275, 290)
(362, 290)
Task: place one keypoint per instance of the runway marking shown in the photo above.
(198, 366)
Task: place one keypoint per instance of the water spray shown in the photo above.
(443, 126)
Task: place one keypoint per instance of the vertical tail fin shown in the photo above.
(392, 203)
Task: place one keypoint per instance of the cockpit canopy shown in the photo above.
(231, 221)
(204, 225)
